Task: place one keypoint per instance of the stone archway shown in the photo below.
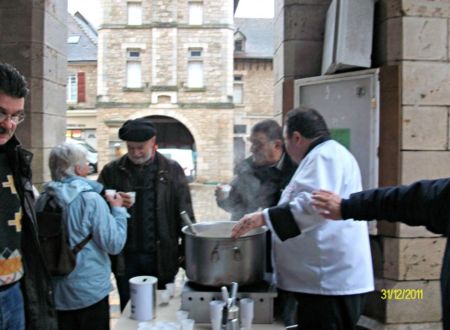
(175, 141)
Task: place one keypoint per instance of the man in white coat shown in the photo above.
(326, 264)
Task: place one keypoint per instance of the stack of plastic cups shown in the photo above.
(246, 313)
(187, 324)
(215, 313)
(170, 287)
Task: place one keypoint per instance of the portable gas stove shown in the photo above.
(195, 299)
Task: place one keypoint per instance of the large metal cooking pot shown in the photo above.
(213, 258)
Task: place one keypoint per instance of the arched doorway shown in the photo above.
(176, 142)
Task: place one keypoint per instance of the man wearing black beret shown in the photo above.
(153, 241)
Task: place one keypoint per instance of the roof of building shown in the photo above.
(258, 33)
(81, 39)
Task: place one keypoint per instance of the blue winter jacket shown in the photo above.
(87, 212)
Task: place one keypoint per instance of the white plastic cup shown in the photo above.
(215, 313)
(181, 315)
(110, 192)
(187, 324)
(223, 191)
(143, 297)
(246, 310)
(164, 297)
(170, 287)
(132, 195)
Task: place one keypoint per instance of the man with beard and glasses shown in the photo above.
(260, 178)
(258, 183)
(25, 286)
(153, 245)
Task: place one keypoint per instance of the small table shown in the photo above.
(167, 313)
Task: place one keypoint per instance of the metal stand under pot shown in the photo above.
(195, 299)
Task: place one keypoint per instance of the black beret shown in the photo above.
(137, 130)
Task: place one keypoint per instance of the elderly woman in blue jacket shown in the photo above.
(81, 297)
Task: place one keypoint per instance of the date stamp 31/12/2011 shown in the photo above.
(401, 294)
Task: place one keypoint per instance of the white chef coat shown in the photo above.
(328, 257)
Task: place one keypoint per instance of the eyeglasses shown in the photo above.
(17, 118)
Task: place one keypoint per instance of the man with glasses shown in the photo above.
(258, 184)
(260, 178)
(25, 290)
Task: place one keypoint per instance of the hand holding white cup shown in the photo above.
(128, 198)
(132, 195)
(223, 191)
(110, 192)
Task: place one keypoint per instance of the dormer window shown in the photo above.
(73, 39)
(239, 42)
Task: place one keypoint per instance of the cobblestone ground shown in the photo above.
(114, 304)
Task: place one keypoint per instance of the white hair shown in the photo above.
(63, 159)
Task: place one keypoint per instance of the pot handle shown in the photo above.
(237, 255)
(215, 255)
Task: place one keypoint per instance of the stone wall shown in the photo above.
(257, 80)
(411, 48)
(39, 54)
(414, 36)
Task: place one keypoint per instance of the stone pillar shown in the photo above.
(411, 48)
(298, 41)
(33, 38)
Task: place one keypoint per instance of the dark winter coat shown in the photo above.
(423, 203)
(173, 196)
(36, 281)
(255, 187)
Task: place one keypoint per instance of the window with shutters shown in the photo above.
(134, 13)
(195, 68)
(72, 90)
(81, 87)
(195, 13)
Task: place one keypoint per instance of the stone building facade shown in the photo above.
(211, 119)
(143, 69)
(81, 88)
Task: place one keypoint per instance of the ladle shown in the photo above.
(187, 221)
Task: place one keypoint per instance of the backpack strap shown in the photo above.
(77, 248)
(81, 245)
